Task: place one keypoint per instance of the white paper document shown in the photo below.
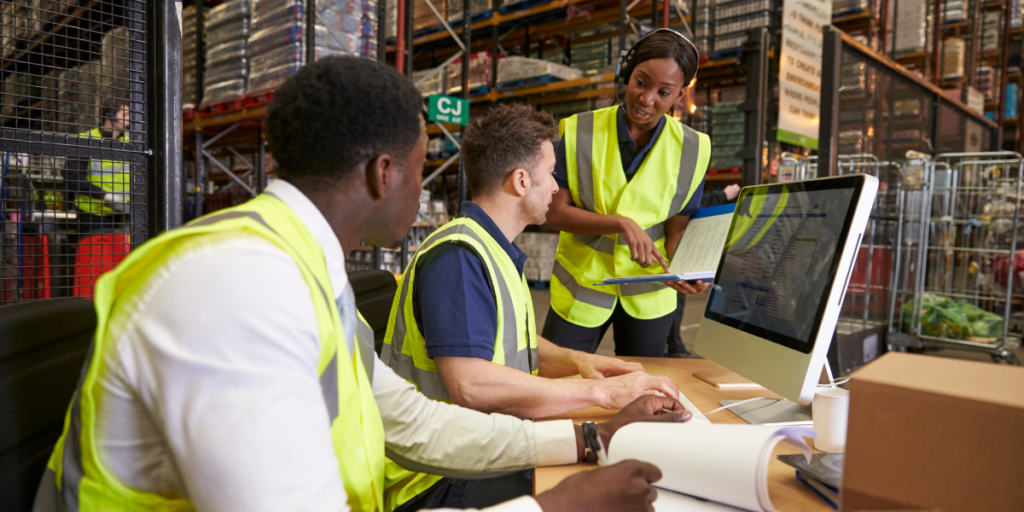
(724, 464)
(698, 252)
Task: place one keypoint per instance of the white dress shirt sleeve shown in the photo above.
(444, 439)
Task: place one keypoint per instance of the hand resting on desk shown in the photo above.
(625, 486)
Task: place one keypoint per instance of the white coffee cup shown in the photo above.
(831, 410)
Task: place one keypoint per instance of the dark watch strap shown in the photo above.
(591, 441)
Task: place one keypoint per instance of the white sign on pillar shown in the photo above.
(800, 70)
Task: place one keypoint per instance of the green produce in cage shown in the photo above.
(942, 317)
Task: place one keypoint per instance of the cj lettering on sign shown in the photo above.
(448, 109)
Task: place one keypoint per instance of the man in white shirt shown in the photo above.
(207, 385)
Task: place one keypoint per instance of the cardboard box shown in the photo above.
(929, 432)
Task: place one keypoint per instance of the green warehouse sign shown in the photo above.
(447, 109)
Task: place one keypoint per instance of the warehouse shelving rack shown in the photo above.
(531, 30)
(62, 62)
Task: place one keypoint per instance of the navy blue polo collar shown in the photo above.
(473, 211)
(625, 138)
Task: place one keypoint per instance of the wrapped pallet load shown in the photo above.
(116, 68)
(456, 9)
(953, 51)
(193, 41)
(227, 65)
(277, 46)
(49, 114)
(523, 72)
(72, 101)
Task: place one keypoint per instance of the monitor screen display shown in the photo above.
(781, 258)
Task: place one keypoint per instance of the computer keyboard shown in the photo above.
(697, 414)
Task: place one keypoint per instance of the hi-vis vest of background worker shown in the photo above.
(77, 477)
(405, 349)
(110, 175)
(661, 187)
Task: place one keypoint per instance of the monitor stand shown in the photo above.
(772, 412)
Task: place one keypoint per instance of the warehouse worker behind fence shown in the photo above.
(462, 327)
(101, 186)
(231, 371)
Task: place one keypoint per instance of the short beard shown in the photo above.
(534, 213)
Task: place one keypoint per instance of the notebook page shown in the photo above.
(701, 245)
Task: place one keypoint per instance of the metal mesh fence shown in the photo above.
(880, 112)
(72, 144)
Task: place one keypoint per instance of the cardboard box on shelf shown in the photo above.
(930, 432)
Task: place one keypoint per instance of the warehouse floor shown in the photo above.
(691, 320)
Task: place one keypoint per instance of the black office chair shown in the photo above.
(42, 349)
(375, 291)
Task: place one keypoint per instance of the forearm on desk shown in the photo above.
(487, 387)
(443, 439)
(556, 361)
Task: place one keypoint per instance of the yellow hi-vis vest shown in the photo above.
(661, 187)
(77, 479)
(110, 175)
(405, 349)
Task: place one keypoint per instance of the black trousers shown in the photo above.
(633, 337)
(675, 341)
(482, 493)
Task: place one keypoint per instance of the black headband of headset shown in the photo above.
(625, 58)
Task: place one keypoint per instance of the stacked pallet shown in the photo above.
(734, 18)
(277, 46)
(953, 51)
(515, 72)
(540, 249)
(727, 129)
(192, 46)
(911, 31)
(227, 64)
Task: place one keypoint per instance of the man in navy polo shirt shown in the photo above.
(469, 335)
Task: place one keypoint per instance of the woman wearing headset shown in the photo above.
(630, 177)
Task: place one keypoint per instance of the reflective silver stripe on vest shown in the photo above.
(429, 382)
(598, 243)
(656, 232)
(687, 168)
(49, 497)
(582, 293)
(585, 160)
(329, 387)
(528, 354)
(629, 290)
(364, 338)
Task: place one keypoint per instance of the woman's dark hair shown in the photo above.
(666, 45)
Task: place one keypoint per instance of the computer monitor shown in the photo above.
(780, 282)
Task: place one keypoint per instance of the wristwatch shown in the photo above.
(593, 447)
